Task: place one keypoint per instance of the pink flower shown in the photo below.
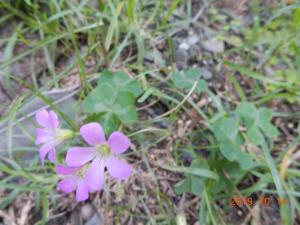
(74, 179)
(102, 153)
(49, 135)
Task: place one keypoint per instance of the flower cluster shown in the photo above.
(85, 167)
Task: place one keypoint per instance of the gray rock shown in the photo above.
(87, 211)
(269, 71)
(181, 58)
(196, 52)
(192, 40)
(207, 75)
(189, 42)
(94, 220)
(184, 46)
(156, 57)
(214, 45)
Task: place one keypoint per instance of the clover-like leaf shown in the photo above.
(264, 123)
(226, 129)
(255, 136)
(186, 79)
(115, 96)
(247, 112)
(227, 133)
(257, 122)
(101, 99)
(193, 182)
(109, 122)
(120, 81)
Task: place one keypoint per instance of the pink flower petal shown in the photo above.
(44, 149)
(43, 135)
(68, 184)
(77, 156)
(52, 155)
(95, 175)
(118, 169)
(118, 142)
(42, 118)
(52, 119)
(82, 192)
(92, 133)
(65, 170)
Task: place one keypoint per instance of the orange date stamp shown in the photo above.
(238, 201)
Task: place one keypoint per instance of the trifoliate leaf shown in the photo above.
(256, 121)
(195, 177)
(255, 136)
(105, 99)
(186, 79)
(264, 123)
(110, 123)
(120, 82)
(226, 131)
(101, 99)
(183, 186)
(247, 112)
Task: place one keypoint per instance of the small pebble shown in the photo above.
(214, 45)
(192, 40)
(184, 46)
(207, 75)
(181, 58)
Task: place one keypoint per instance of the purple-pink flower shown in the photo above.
(102, 153)
(49, 135)
(75, 179)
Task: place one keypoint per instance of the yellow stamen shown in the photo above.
(104, 149)
(83, 169)
(63, 134)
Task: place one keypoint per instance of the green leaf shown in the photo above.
(232, 152)
(114, 95)
(197, 172)
(146, 95)
(201, 86)
(186, 79)
(255, 136)
(120, 82)
(130, 10)
(264, 123)
(226, 131)
(247, 112)
(226, 128)
(197, 186)
(183, 186)
(128, 114)
(256, 120)
(196, 177)
(101, 99)
(109, 122)
(233, 169)
(245, 160)
(229, 150)
(124, 107)
(105, 99)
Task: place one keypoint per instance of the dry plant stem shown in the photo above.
(180, 104)
(7, 218)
